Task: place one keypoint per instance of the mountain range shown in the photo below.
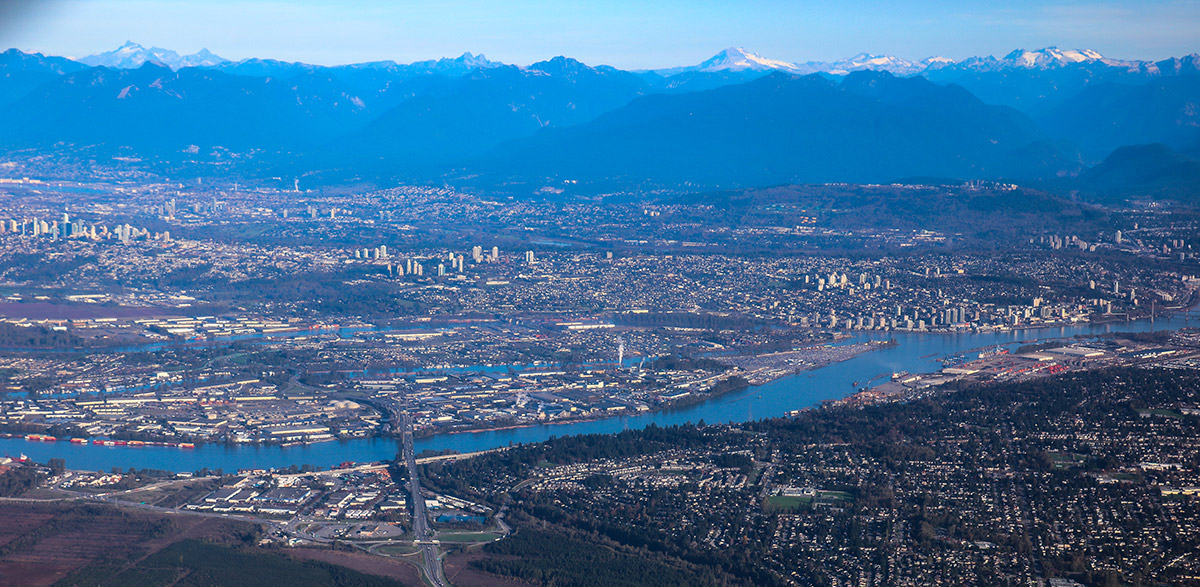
(132, 55)
(736, 119)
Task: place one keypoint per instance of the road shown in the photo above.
(430, 563)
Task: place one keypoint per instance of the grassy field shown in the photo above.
(69, 544)
(194, 562)
(786, 503)
(791, 503)
(396, 549)
(834, 495)
(467, 536)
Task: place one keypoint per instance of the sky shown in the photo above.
(630, 34)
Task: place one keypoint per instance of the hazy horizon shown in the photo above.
(622, 34)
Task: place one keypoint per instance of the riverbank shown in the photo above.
(913, 352)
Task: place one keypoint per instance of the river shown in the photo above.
(914, 352)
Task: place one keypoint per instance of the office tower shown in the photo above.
(529, 257)
(495, 253)
(441, 270)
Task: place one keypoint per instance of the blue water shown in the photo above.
(914, 352)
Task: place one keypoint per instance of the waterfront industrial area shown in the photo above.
(191, 335)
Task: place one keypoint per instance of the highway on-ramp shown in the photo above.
(430, 563)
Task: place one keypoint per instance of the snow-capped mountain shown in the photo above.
(1041, 59)
(458, 66)
(888, 63)
(738, 59)
(1050, 57)
(936, 62)
(132, 55)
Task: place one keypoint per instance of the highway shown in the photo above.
(430, 563)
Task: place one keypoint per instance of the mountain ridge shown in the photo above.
(739, 120)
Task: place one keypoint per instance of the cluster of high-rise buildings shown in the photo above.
(68, 229)
(451, 263)
(838, 280)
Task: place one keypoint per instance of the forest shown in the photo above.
(908, 489)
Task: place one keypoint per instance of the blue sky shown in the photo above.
(623, 33)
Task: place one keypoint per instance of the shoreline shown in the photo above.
(246, 447)
(680, 403)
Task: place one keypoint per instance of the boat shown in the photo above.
(136, 443)
(997, 350)
(187, 445)
(78, 441)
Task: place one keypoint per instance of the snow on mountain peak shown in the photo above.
(1050, 57)
(131, 55)
(739, 59)
(888, 63)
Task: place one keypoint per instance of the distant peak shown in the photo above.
(1051, 57)
(740, 59)
(560, 64)
(132, 55)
